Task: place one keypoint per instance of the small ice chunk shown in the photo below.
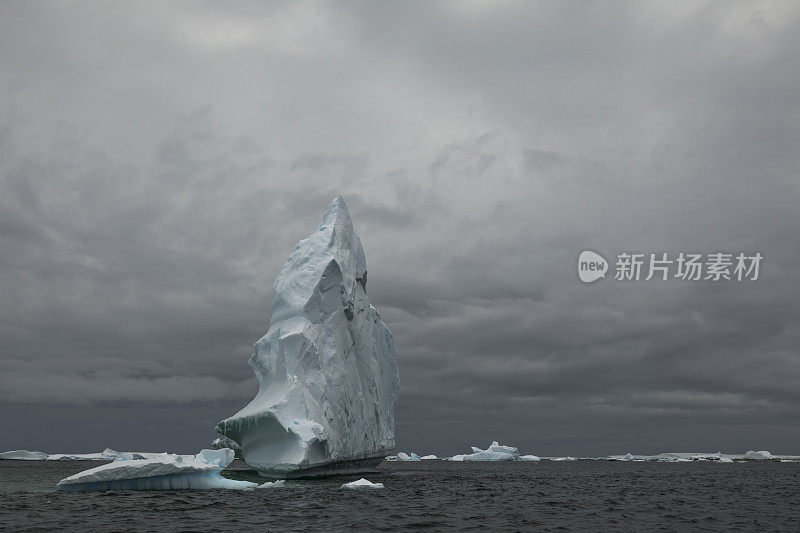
(362, 484)
(23, 455)
(159, 472)
(428, 457)
(529, 458)
(725, 460)
(758, 456)
(225, 442)
(272, 484)
(566, 459)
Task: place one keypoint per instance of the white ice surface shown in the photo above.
(327, 366)
(362, 484)
(529, 458)
(162, 472)
(428, 457)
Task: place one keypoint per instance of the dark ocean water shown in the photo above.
(430, 496)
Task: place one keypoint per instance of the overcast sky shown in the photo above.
(158, 161)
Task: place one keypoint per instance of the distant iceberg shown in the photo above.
(23, 455)
(676, 457)
(529, 458)
(428, 457)
(495, 452)
(405, 457)
(758, 456)
(106, 455)
(362, 484)
(161, 472)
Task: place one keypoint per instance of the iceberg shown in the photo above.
(529, 458)
(495, 452)
(23, 455)
(161, 472)
(327, 366)
(362, 484)
(758, 456)
(405, 457)
(428, 457)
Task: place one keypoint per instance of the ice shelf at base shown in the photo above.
(162, 472)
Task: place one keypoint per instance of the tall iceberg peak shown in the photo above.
(327, 366)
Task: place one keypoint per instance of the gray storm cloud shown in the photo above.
(159, 161)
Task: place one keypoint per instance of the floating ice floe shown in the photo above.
(272, 484)
(161, 472)
(23, 455)
(362, 484)
(758, 456)
(428, 457)
(405, 457)
(563, 458)
(529, 458)
(495, 452)
(327, 366)
(675, 457)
